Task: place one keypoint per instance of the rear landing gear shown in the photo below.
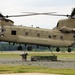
(69, 49)
(29, 48)
(57, 49)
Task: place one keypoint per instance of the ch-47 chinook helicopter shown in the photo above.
(63, 35)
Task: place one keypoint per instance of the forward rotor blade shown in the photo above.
(32, 14)
(20, 15)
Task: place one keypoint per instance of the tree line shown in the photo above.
(5, 46)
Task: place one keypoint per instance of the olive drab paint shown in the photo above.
(63, 35)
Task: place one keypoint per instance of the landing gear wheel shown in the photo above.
(57, 49)
(69, 49)
(19, 47)
(29, 48)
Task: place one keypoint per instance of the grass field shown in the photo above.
(30, 69)
(17, 55)
(34, 69)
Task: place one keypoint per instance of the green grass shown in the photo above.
(32, 69)
(9, 55)
(65, 55)
(59, 55)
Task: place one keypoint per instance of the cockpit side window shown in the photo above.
(58, 24)
(2, 30)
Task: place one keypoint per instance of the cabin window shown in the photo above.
(74, 36)
(26, 33)
(49, 36)
(61, 37)
(54, 36)
(38, 35)
(13, 32)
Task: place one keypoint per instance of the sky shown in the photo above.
(16, 7)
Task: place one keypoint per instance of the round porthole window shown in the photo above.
(61, 37)
(38, 35)
(49, 36)
(26, 33)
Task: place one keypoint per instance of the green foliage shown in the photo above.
(4, 46)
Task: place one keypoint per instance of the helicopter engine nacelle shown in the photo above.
(4, 22)
(66, 29)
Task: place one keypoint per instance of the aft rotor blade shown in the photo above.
(73, 13)
(59, 15)
(48, 13)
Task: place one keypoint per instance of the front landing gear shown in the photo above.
(19, 47)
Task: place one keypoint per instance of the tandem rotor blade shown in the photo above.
(30, 14)
(33, 14)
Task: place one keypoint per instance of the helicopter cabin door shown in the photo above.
(13, 34)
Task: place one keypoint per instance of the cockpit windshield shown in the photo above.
(58, 24)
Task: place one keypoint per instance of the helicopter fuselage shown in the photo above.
(63, 35)
(37, 36)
